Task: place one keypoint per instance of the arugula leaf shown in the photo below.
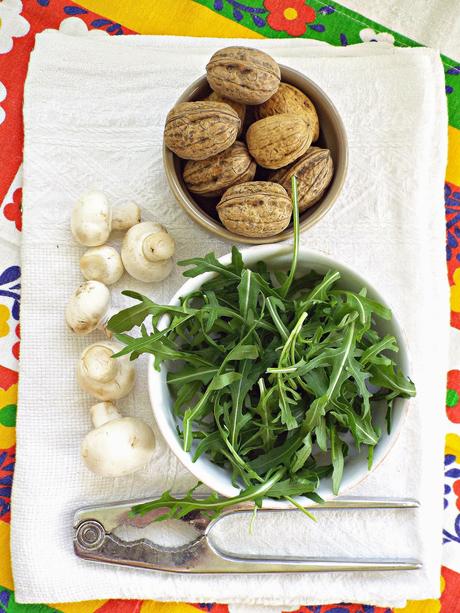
(207, 264)
(337, 461)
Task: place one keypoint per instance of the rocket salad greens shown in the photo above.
(273, 379)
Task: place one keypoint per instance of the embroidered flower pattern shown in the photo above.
(12, 24)
(4, 317)
(290, 16)
(453, 396)
(6, 481)
(368, 35)
(9, 288)
(74, 26)
(12, 211)
(452, 487)
(2, 98)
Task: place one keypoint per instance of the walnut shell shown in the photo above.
(236, 106)
(314, 172)
(278, 140)
(243, 74)
(256, 209)
(211, 177)
(197, 130)
(289, 99)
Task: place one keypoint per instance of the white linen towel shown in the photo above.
(94, 113)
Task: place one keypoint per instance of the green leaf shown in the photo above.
(248, 292)
(221, 381)
(191, 373)
(277, 455)
(360, 376)
(133, 316)
(319, 293)
(301, 456)
(337, 461)
(295, 254)
(207, 264)
(237, 261)
(371, 354)
(180, 507)
(243, 352)
(8, 415)
(392, 378)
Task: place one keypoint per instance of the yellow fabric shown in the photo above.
(6, 577)
(453, 164)
(453, 445)
(87, 606)
(149, 606)
(175, 17)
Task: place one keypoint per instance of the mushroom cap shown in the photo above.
(133, 252)
(87, 307)
(102, 264)
(118, 447)
(91, 219)
(101, 375)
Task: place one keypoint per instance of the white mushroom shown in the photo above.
(147, 252)
(93, 218)
(118, 445)
(101, 375)
(102, 264)
(88, 308)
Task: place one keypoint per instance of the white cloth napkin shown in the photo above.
(94, 114)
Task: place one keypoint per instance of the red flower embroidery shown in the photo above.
(457, 492)
(15, 347)
(12, 211)
(290, 16)
(453, 396)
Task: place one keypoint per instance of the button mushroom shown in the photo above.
(102, 264)
(102, 376)
(88, 308)
(147, 252)
(93, 218)
(118, 445)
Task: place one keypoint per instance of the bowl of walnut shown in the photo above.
(238, 134)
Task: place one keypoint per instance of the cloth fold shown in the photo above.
(94, 113)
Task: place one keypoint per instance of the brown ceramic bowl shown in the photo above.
(332, 137)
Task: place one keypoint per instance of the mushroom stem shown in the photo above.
(125, 216)
(103, 412)
(98, 363)
(158, 246)
(102, 376)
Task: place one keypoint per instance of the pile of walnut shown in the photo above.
(118, 445)
(284, 124)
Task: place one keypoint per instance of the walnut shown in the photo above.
(289, 99)
(236, 106)
(211, 177)
(243, 74)
(255, 209)
(197, 130)
(314, 172)
(278, 140)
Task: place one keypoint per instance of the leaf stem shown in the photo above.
(295, 218)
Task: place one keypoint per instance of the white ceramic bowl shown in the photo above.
(278, 257)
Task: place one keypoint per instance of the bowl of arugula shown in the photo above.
(276, 372)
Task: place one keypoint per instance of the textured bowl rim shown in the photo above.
(201, 469)
(323, 207)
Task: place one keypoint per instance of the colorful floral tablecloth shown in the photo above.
(326, 21)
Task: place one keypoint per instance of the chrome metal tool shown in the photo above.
(94, 539)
